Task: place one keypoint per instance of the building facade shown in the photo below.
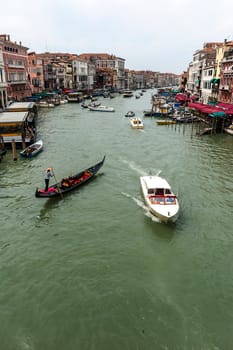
(16, 66)
(3, 84)
(36, 72)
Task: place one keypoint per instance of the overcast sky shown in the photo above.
(157, 35)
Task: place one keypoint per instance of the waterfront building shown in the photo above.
(226, 84)
(3, 84)
(110, 70)
(129, 83)
(149, 79)
(139, 79)
(36, 72)
(57, 70)
(202, 70)
(80, 73)
(183, 81)
(91, 77)
(167, 79)
(15, 58)
(207, 74)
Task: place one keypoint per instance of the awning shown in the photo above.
(214, 80)
(217, 114)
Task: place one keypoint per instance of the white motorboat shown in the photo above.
(159, 198)
(229, 130)
(45, 104)
(101, 108)
(136, 123)
(32, 150)
(127, 93)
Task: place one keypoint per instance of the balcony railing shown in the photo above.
(17, 82)
(18, 66)
(224, 87)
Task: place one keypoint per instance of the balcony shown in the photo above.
(224, 87)
(3, 85)
(17, 82)
(17, 66)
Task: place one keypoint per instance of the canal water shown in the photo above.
(96, 270)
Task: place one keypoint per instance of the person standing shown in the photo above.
(48, 175)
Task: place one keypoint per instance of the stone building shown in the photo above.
(36, 72)
(15, 58)
(3, 84)
(110, 70)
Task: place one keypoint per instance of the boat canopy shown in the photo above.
(13, 117)
(156, 182)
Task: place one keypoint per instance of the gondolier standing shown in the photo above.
(48, 174)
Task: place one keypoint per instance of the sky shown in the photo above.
(156, 35)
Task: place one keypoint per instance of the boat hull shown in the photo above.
(165, 122)
(70, 183)
(165, 207)
(32, 150)
(101, 109)
(229, 131)
(136, 123)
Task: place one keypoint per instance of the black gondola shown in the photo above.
(70, 183)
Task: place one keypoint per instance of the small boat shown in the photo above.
(136, 123)
(152, 113)
(32, 150)
(84, 105)
(127, 93)
(101, 108)
(94, 104)
(46, 104)
(70, 183)
(165, 122)
(159, 198)
(130, 114)
(229, 130)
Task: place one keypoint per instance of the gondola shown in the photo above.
(70, 183)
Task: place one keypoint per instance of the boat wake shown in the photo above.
(134, 167)
(142, 205)
(139, 170)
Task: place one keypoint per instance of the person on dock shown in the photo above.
(48, 175)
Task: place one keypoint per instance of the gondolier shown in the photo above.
(69, 183)
(48, 174)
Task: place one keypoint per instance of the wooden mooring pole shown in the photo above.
(14, 153)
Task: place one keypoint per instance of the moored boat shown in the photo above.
(165, 122)
(101, 108)
(46, 104)
(70, 183)
(159, 198)
(229, 129)
(32, 150)
(127, 93)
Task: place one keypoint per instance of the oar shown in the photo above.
(59, 190)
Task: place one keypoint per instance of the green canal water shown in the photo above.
(96, 271)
